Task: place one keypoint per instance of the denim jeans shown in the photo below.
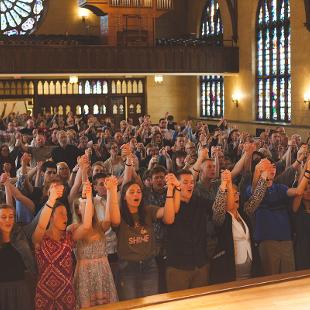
(138, 279)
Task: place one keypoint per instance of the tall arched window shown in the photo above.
(20, 17)
(273, 61)
(212, 86)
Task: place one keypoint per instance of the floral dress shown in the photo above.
(93, 279)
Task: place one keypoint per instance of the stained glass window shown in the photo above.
(212, 87)
(273, 61)
(20, 17)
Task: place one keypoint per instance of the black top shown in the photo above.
(11, 264)
(187, 236)
(222, 266)
(69, 154)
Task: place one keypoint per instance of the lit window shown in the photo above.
(20, 17)
(212, 87)
(273, 61)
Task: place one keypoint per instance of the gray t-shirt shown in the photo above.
(138, 242)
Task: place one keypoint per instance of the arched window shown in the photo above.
(273, 61)
(20, 17)
(212, 86)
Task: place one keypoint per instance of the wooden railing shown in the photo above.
(233, 295)
(102, 59)
(164, 4)
(160, 4)
(132, 3)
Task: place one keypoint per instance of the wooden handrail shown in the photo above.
(169, 298)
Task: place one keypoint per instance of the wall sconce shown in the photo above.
(83, 13)
(236, 99)
(158, 79)
(73, 79)
(307, 99)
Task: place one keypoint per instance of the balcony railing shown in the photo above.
(160, 4)
(132, 3)
(164, 4)
(19, 59)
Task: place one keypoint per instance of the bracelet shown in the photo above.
(306, 177)
(195, 170)
(49, 206)
(300, 162)
(169, 197)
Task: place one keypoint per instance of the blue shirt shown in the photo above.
(272, 220)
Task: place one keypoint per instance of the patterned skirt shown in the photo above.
(93, 282)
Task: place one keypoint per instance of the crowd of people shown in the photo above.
(94, 212)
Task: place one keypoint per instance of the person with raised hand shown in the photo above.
(54, 254)
(136, 240)
(93, 280)
(269, 205)
(16, 263)
(187, 253)
(114, 164)
(235, 257)
(301, 217)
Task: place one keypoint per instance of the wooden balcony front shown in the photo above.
(154, 7)
(61, 59)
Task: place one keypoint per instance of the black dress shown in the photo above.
(302, 238)
(14, 293)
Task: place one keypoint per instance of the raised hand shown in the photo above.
(111, 183)
(172, 181)
(87, 190)
(308, 164)
(203, 154)
(5, 177)
(83, 162)
(226, 179)
(56, 191)
(302, 152)
(262, 166)
(249, 148)
(265, 170)
(125, 150)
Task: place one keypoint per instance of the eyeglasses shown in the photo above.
(51, 172)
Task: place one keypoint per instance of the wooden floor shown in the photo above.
(285, 292)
